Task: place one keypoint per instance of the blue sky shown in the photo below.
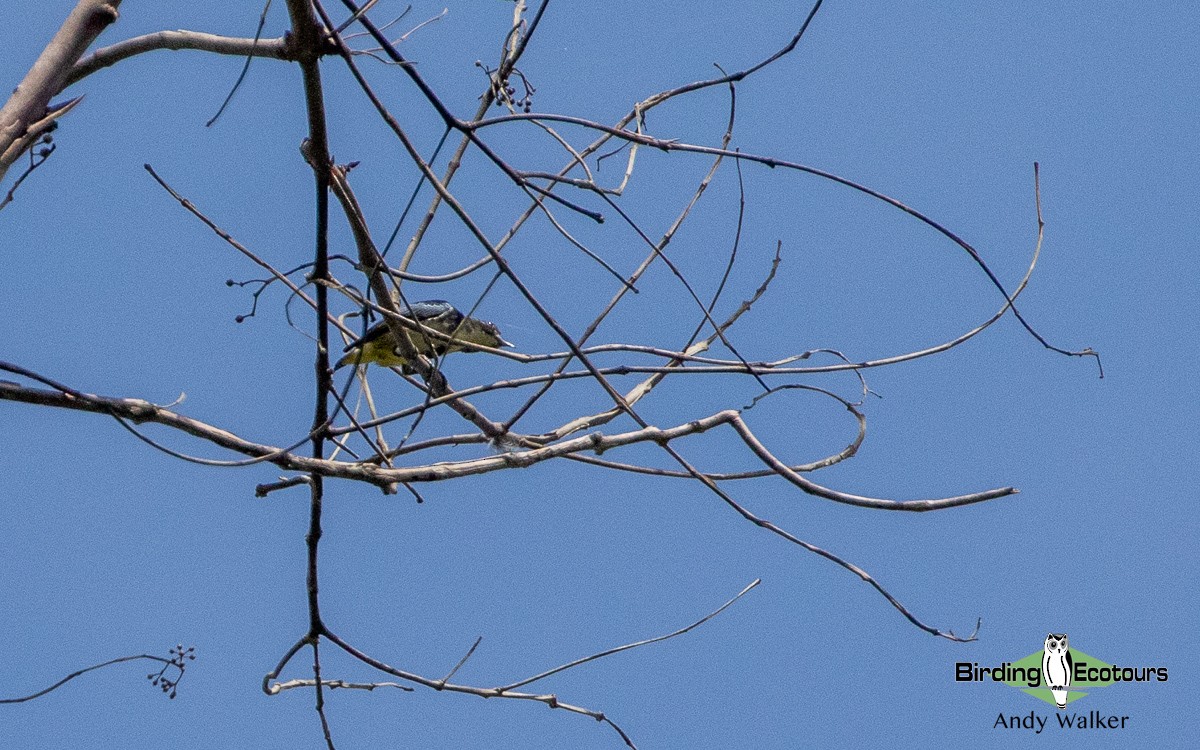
(112, 548)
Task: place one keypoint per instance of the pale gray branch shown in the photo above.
(278, 687)
(23, 116)
(139, 411)
(179, 39)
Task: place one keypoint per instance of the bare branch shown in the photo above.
(24, 117)
(35, 160)
(279, 687)
(674, 145)
(143, 411)
(636, 644)
(262, 21)
(29, 115)
(462, 661)
(370, 257)
(548, 699)
(179, 658)
(179, 39)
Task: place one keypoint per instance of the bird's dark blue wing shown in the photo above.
(424, 310)
(430, 308)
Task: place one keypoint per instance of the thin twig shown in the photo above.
(262, 21)
(550, 699)
(636, 644)
(35, 160)
(176, 660)
(462, 661)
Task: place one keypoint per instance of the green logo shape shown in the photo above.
(1090, 665)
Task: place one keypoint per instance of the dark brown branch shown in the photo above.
(315, 148)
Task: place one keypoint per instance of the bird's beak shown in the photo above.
(505, 344)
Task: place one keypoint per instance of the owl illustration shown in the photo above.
(1057, 667)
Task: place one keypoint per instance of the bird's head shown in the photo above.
(482, 332)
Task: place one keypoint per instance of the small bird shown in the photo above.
(380, 347)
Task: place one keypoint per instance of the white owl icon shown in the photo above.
(1057, 667)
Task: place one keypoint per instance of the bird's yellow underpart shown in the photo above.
(379, 346)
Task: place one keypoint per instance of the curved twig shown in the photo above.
(179, 657)
(674, 145)
(179, 39)
(550, 700)
(636, 644)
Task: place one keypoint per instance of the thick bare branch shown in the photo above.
(23, 117)
(138, 410)
(179, 39)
